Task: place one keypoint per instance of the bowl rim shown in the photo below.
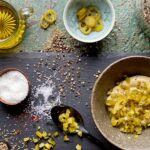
(94, 40)
(94, 89)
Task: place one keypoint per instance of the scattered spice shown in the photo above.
(17, 131)
(35, 118)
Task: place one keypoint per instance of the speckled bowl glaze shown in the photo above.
(71, 22)
(133, 65)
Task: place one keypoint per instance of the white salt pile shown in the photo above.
(46, 98)
(44, 90)
(14, 87)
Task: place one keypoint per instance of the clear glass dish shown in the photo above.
(12, 25)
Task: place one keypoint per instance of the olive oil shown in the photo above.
(12, 26)
(8, 23)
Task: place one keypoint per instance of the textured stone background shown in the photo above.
(127, 36)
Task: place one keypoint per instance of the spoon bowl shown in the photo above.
(57, 110)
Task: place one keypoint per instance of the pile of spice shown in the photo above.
(58, 42)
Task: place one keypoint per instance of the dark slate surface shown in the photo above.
(17, 118)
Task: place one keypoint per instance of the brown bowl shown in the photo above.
(13, 69)
(133, 65)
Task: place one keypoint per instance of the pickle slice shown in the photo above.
(43, 23)
(82, 13)
(99, 27)
(90, 21)
(84, 28)
(50, 16)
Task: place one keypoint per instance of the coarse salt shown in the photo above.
(45, 91)
(46, 98)
(14, 87)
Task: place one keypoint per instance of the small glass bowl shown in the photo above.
(20, 16)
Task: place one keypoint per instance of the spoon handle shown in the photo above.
(95, 140)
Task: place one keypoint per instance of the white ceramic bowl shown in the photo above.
(71, 22)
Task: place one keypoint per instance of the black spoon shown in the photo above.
(57, 110)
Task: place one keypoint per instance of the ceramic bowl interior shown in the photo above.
(71, 22)
(134, 65)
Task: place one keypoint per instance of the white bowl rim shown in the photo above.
(94, 40)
